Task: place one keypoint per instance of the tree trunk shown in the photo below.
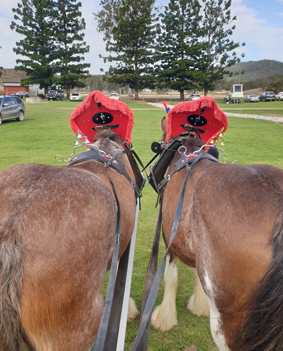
(182, 95)
(68, 93)
(205, 91)
(136, 94)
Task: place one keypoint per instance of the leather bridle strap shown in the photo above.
(145, 317)
(103, 326)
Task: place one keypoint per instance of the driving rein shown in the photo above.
(108, 328)
(154, 276)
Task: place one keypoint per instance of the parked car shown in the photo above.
(54, 95)
(114, 96)
(194, 97)
(267, 96)
(21, 94)
(279, 96)
(251, 98)
(76, 97)
(11, 107)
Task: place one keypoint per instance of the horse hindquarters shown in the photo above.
(263, 327)
(53, 258)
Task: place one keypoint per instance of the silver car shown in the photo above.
(76, 97)
(251, 98)
(194, 97)
(11, 107)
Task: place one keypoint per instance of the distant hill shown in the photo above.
(255, 70)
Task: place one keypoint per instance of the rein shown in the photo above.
(108, 331)
(153, 278)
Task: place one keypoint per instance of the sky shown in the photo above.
(259, 24)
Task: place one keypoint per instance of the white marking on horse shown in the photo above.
(215, 317)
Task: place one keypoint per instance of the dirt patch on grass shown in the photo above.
(191, 348)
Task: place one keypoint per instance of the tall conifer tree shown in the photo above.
(179, 47)
(70, 44)
(219, 50)
(33, 21)
(132, 40)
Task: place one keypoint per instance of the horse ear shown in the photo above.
(163, 125)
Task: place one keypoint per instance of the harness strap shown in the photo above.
(183, 162)
(151, 271)
(145, 318)
(103, 326)
(109, 160)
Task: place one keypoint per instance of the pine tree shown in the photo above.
(35, 24)
(130, 34)
(105, 19)
(218, 53)
(179, 47)
(70, 44)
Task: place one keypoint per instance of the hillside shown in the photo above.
(255, 70)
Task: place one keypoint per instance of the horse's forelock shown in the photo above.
(193, 143)
(108, 134)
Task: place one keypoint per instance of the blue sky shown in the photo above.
(259, 24)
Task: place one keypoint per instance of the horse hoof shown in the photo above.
(132, 310)
(163, 319)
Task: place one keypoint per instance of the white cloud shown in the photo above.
(262, 41)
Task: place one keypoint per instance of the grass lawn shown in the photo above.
(45, 132)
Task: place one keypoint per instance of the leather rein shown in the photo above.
(107, 334)
(154, 274)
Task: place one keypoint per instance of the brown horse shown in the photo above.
(231, 232)
(57, 228)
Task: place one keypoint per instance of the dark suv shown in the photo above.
(54, 95)
(267, 96)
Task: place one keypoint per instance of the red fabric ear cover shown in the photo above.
(203, 114)
(99, 110)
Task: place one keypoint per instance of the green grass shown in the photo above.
(45, 132)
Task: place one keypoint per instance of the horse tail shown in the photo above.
(12, 336)
(263, 327)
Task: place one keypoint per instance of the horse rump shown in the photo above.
(12, 336)
(262, 330)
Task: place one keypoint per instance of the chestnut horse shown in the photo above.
(57, 228)
(231, 232)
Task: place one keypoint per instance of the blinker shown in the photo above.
(197, 120)
(102, 118)
(155, 147)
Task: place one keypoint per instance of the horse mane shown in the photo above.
(191, 143)
(263, 327)
(110, 134)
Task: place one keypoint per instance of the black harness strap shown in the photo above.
(145, 318)
(103, 326)
(109, 160)
(151, 271)
(115, 315)
(183, 161)
(152, 284)
(107, 334)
